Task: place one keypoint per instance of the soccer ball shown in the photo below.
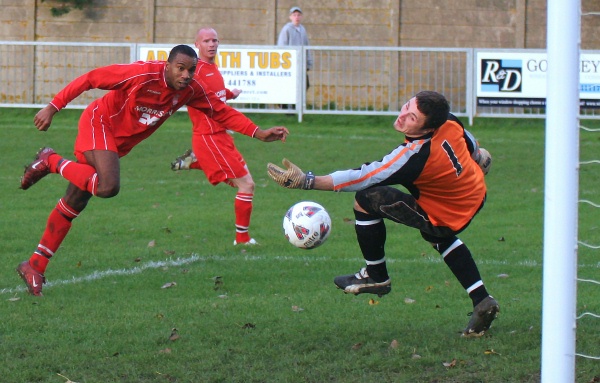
(306, 225)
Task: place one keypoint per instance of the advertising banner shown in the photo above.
(265, 76)
(518, 79)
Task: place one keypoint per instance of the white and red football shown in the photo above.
(306, 225)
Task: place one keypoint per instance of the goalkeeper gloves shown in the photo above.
(292, 177)
(484, 160)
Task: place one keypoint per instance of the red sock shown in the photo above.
(195, 165)
(57, 227)
(243, 211)
(53, 161)
(83, 176)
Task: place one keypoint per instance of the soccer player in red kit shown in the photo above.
(142, 95)
(213, 148)
(442, 166)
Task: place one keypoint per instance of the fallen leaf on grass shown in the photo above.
(373, 302)
(138, 259)
(167, 376)
(165, 351)
(174, 335)
(428, 289)
(218, 282)
(248, 326)
(169, 252)
(356, 346)
(394, 345)
(168, 285)
(491, 351)
(450, 364)
(152, 243)
(297, 309)
(409, 300)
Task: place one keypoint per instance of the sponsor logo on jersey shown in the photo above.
(149, 110)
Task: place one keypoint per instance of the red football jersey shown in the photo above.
(209, 74)
(139, 99)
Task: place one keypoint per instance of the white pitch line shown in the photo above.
(95, 275)
(110, 272)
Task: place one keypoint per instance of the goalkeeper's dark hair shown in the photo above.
(434, 106)
(184, 49)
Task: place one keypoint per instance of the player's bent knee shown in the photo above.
(108, 192)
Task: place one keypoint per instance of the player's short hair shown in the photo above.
(434, 106)
(183, 49)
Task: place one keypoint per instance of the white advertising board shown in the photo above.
(518, 79)
(265, 75)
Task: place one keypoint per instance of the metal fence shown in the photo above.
(343, 80)
(363, 80)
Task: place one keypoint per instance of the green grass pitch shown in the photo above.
(271, 313)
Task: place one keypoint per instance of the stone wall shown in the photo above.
(406, 23)
(414, 23)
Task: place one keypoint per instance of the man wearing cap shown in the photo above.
(294, 34)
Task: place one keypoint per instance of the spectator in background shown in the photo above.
(294, 34)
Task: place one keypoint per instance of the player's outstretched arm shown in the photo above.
(292, 177)
(276, 133)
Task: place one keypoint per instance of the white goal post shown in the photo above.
(561, 192)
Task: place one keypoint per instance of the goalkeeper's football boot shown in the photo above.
(32, 278)
(38, 169)
(482, 317)
(184, 161)
(361, 283)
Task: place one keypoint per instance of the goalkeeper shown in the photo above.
(442, 166)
